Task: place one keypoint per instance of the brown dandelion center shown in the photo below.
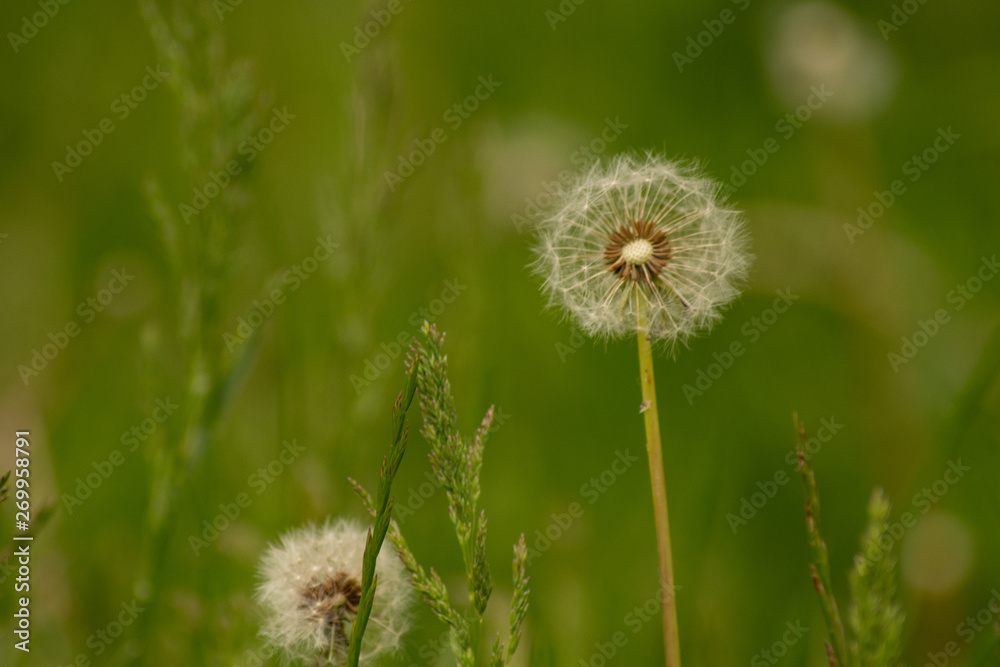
(333, 599)
(637, 251)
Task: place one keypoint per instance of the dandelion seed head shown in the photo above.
(310, 591)
(641, 227)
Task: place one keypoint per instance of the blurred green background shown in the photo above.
(705, 80)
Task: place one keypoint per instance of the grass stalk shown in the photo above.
(820, 567)
(654, 449)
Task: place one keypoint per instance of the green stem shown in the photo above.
(654, 449)
(820, 567)
(475, 619)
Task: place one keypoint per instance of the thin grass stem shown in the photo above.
(654, 449)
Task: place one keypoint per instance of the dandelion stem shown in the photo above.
(654, 449)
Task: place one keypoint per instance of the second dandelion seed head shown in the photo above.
(310, 591)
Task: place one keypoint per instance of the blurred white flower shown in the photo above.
(311, 587)
(642, 228)
(820, 43)
(938, 555)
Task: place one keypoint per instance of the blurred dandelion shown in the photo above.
(648, 247)
(820, 42)
(311, 590)
(938, 554)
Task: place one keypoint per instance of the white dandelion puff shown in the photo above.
(310, 590)
(647, 229)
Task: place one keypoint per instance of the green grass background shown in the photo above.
(570, 407)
